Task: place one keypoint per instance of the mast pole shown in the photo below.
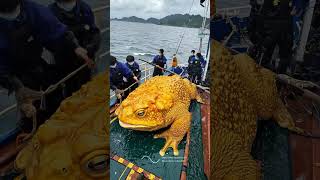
(307, 20)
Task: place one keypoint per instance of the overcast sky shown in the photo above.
(153, 8)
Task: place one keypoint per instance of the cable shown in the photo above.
(185, 28)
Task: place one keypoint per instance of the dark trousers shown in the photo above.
(277, 33)
(123, 86)
(66, 64)
(157, 72)
(39, 77)
(195, 74)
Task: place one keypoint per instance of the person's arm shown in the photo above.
(112, 86)
(165, 62)
(8, 80)
(55, 36)
(139, 72)
(203, 62)
(5, 71)
(155, 59)
(127, 73)
(95, 41)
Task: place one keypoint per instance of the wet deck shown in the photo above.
(305, 151)
(142, 150)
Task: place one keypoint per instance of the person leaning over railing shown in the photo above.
(120, 76)
(79, 18)
(25, 29)
(135, 68)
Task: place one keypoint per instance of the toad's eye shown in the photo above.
(141, 113)
(96, 166)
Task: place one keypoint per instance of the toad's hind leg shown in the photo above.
(284, 119)
(175, 133)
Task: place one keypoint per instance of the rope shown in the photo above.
(114, 119)
(123, 172)
(52, 88)
(8, 109)
(185, 28)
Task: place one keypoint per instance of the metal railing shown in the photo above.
(101, 8)
(147, 71)
(234, 11)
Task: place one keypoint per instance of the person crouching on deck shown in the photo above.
(120, 75)
(26, 28)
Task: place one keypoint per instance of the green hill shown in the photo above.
(181, 20)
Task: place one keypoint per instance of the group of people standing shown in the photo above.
(66, 28)
(272, 23)
(196, 65)
(125, 76)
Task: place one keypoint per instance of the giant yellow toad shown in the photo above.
(73, 144)
(241, 92)
(160, 102)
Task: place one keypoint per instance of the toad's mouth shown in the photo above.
(126, 125)
(136, 126)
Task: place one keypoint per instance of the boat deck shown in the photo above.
(138, 149)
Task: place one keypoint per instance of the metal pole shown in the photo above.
(305, 31)
(145, 71)
(200, 47)
(208, 61)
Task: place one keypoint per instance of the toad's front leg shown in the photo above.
(179, 128)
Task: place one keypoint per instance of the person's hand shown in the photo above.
(135, 78)
(294, 11)
(119, 96)
(25, 98)
(119, 93)
(83, 54)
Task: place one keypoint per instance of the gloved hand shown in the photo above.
(83, 54)
(25, 98)
(135, 78)
(119, 93)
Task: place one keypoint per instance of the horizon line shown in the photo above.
(154, 17)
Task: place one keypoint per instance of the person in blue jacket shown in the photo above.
(120, 76)
(79, 18)
(134, 67)
(25, 29)
(190, 64)
(197, 65)
(161, 61)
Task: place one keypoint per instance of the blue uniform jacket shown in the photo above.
(201, 59)
(46, 29)
(135, 68)
(177, 70)
(87, 14)
(157, 60)
(117, 74)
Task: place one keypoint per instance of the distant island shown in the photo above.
(171, 20)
